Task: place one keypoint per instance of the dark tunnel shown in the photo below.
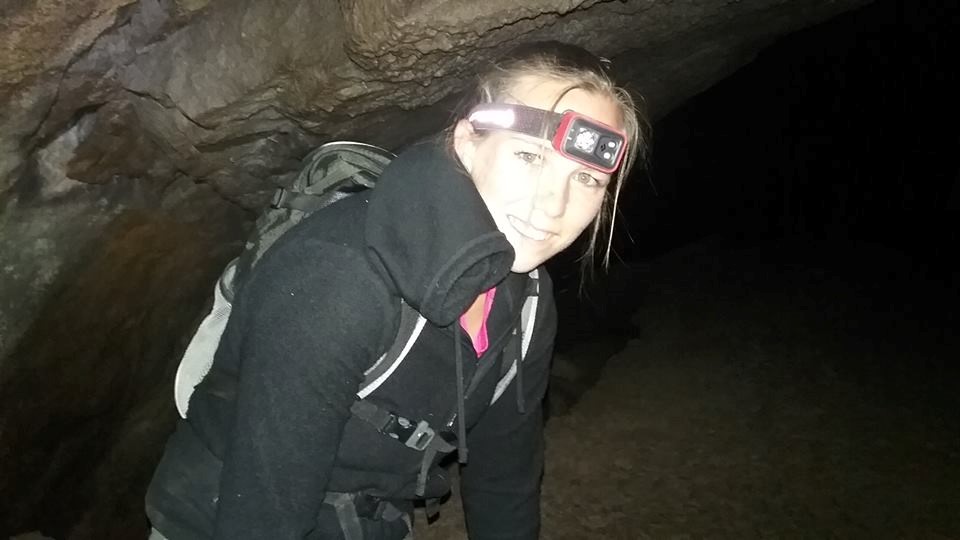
(811, 202)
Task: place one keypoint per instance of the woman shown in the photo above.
(275, 446)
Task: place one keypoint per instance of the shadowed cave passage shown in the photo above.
(772, 355)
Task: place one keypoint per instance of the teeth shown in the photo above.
(528, 230)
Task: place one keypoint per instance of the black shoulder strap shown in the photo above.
(520, 342)
(411, 324)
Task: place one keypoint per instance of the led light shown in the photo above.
(503, 118)
(586, 140)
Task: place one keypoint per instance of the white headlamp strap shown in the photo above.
(521, 118)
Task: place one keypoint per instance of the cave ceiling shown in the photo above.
(233, 93)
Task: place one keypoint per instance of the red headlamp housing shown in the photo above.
(590, 142)
(574, 135)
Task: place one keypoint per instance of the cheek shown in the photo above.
(510, 181)
(484, 176)
(583, 211)
(591, 199)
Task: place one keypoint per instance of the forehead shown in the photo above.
(542, 93)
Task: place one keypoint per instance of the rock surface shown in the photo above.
(137, 136)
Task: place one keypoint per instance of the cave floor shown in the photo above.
(767, 394)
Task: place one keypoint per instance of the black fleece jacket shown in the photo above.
(270, 429)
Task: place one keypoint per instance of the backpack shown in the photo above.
(330, 173)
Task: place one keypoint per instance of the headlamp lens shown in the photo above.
(586, 140)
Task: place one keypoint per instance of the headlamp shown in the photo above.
(573, 135)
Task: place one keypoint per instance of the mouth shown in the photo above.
(527, 230)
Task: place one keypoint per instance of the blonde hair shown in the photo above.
(579, 69)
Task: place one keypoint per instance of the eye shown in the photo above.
(589, 180)
(530, 158)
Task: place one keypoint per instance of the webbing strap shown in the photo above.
(410, 327)
(437, 445)
(425, 463)
(431, 507)
(416, 435)
(346, 513)
(371, 414)
(351, 507)
(528, 322)
(519, 354)
(305, 202)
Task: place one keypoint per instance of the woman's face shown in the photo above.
(539, 199)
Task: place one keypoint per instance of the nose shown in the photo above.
(553, 190)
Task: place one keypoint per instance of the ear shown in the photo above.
(465, 141)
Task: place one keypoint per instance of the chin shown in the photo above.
(522, 266)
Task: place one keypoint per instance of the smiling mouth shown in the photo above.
(527, 230)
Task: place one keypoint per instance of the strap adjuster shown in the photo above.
(417, 436)
(421, 437)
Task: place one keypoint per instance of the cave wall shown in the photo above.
(137, 138)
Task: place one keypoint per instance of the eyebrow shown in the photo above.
(530, 139)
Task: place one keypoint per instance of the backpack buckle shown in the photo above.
(421, 437)
(417, 436)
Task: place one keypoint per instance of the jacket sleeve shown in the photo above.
(500, 484)
(307, 330)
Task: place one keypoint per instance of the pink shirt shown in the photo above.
(480, 341)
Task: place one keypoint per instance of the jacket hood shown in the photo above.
(431, 231)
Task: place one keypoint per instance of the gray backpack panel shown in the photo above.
(332, 172)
